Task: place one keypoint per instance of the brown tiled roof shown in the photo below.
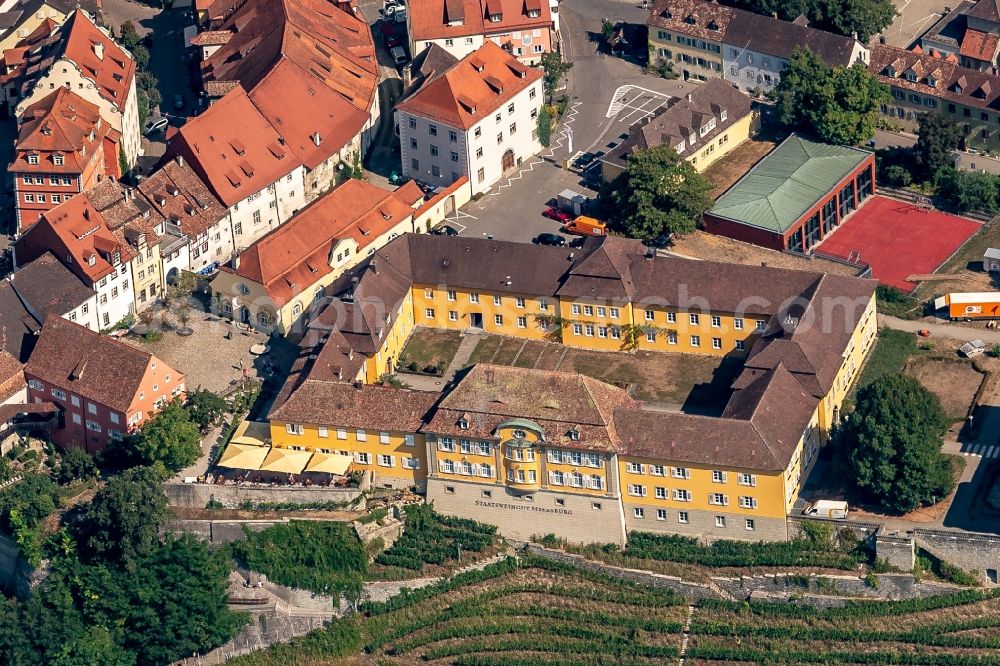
(212, 38)
(297, 254)
(697, 18)
(49, 288)
(557, 401)
(95, 366)
(988, 10)
(463, 95)
(363, 406)
(18, 326)
(11, 376)
(174, 193)
(759, 429)
(113, 72)
(951, 82)
(778, 38)
(683, 117)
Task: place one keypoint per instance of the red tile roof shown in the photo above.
(473, 88)
(234, 148)
(62, 123)
(99, 56)
(295, 255)
(11, 376)
(979, 45)
(333, 45)
(441, 19)
(319, 125)
(83, 234)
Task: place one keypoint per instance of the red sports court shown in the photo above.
(898, 239)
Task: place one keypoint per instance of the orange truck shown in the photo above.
(586, 226)
(969, 305)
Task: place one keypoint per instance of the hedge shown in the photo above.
(723, 553)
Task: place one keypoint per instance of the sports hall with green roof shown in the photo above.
(795, 196)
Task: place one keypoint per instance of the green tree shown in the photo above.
(836, 105)
(128, 36)
(897, 176)
(892, 443)
(658, 192)
(865, 18)
(205, 408)
(545, 126)
(177, 602)
(968, 190)
(554, 68)
(937, 137)
(122, 522)
(170, 437)
(75, 464)
(33, 499)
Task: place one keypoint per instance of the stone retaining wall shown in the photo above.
(198, 495)
(979, 554)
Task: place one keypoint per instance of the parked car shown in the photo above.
(154, 125)
(557, 214)
(549, 239)
(444, 230)
(827, 509)
(398, 54)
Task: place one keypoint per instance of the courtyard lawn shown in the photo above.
(430, 347)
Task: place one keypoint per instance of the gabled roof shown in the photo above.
(444, 19)
(780, 188)
(698, 18)
(11, 376)
(558, 402)
(62, 123)
(48, 288)
(472, 89)
(234, 148)
(676, 123)
(175, 194)
(335, 47)
(18, 326)
(297, 254)
(988, 10)
(766, 34)
(979, 45)
(101, 58)
(97, 367)
(935, 76)
(366, 406)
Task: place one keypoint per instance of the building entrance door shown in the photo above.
(476, 320)
(508, 161)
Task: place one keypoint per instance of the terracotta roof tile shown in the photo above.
(464, 94)
(175, 194)
(366, 406)
(442, 19)
(979, 45)
(951, 82)
(11, 376)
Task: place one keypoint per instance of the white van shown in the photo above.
(827, 509)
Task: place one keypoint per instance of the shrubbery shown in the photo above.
(801, 552)
(429, 538)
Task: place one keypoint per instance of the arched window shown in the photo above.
(296, 309)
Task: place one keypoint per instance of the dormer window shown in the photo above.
(463, 424)
(910, 76)
(117, 257)
(91, 260)
(574, 435)
(496, 18)
(32, 159)
(519, 434)
(712, 25)
(723, 115)
(534, 13)
(890, 72)
(58, 160)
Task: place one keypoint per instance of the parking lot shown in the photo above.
(914, 18)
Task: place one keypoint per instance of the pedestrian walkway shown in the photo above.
(953, 331)
(981, 450)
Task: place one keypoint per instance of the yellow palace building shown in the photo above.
(532, 451)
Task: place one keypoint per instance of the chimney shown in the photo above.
(99, 50)
(180, 160)
(774, 15)
(236, 262)
(127, 194)
(881, 39)
(689, 98)
(854, 35)
(316, 138)
(407, 75)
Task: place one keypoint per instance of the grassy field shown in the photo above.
(889, 356)
(539, 613)
(430, 347)
(693, 379)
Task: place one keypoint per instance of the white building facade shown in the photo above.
(265, 210)
(115, 296)
(436, 153)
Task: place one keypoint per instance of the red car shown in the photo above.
(557, 214)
